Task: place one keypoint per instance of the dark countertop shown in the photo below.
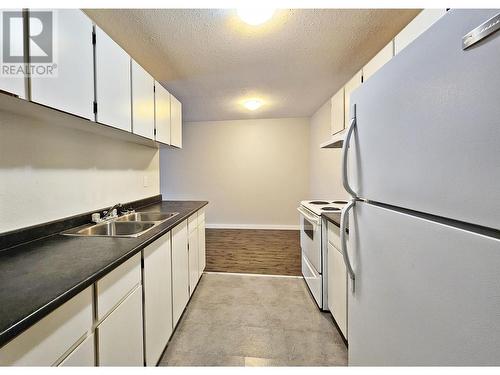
(39, 276)
(333, 217)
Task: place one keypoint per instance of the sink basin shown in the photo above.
(113, 229)
(129, 225)
(147, 216)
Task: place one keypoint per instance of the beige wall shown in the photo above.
(49, 172)
(253, 172)
(325, 164)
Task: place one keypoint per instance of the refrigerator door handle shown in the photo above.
(345, 147)
(343, 240)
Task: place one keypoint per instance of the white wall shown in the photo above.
(325, 164)
(253, 172)
(49, 172)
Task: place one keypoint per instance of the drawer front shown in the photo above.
(120, 335)
(334, 235)
(193, 222)
(47, 341)
(116, 285)
(82, 355)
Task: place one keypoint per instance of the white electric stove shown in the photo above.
(313, 243)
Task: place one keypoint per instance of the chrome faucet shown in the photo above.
(109, 213)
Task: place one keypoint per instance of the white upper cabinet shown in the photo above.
(378, 61)
(143, 102)
(72, 89)
(162, 114)
(417, 26)
(175, 122)
(113, 83)
(337, 112)
(349, 87)
(16, 86)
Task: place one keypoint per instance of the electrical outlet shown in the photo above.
(145, 181)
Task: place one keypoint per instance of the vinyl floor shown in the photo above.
(240, 320)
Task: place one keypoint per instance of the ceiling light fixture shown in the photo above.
(252, 104)
(255, 16)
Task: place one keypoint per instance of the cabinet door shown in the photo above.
(112, 76)
(378, 61)
(417, 26)
(201, 246)
(162, 114)
(17, 85)
(72, 90)
(349, 87)
(44, 343)
(180, 271)
(82, 355)
(157, 285)
(337, 111)
(175, 122)
(120, 334)
(143, 102)
(193, 260)
(337, 288)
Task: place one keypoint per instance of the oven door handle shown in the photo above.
(308, 216)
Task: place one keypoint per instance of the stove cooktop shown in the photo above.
(320, 206)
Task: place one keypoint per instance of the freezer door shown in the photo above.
(427, 133)
(426, 293)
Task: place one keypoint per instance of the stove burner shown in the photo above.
(339, 202)
(328, 208)
(319, 202)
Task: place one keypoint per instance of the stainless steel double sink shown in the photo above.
(133, 224)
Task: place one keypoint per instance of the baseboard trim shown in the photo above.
(252, 226)
(252, 274)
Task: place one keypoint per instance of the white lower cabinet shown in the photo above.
(82, 355)
(119, 336)
(194, 271)
(180, 270)
(157, 286)
(135, 312)
(49, 340)
(201, 243)
(337, 287)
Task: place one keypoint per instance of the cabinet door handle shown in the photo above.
(345, 147)
(343, 240)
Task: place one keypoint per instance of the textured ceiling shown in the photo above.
(210, 60)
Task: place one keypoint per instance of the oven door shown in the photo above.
(310, 237)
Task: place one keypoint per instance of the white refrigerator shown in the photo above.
(422, 163)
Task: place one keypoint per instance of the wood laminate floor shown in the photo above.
(269, 252)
